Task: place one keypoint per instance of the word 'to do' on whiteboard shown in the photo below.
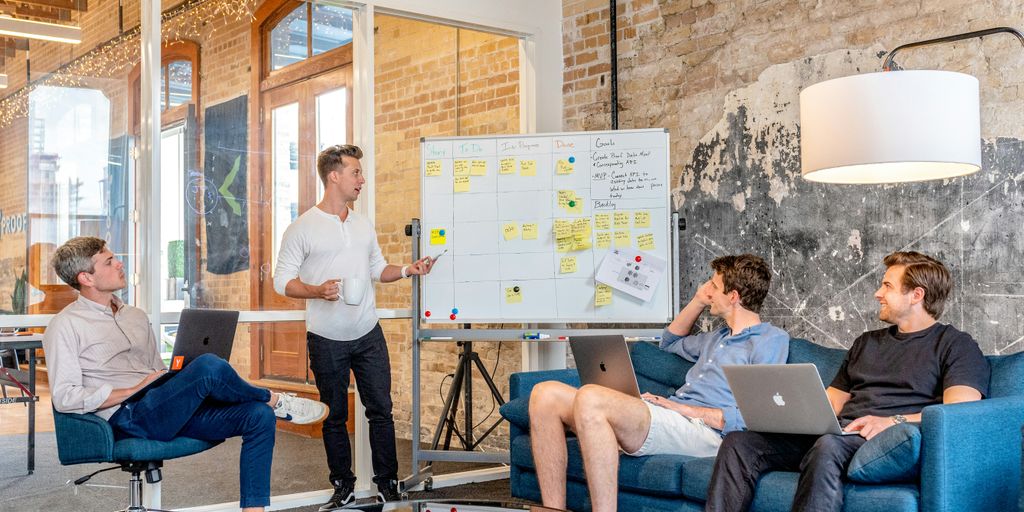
(528, 219)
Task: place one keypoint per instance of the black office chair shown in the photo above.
(87, 438)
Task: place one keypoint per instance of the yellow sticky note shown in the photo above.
(602, 295)
(603, 221)
(575, 205)
(645, 242)
(507, 166)
(530, 231)
(462, 167)
(581, 226)
(527, 167)
(621, 220)
(437, 237)
(642, 219)
(510, 230)
(564, 197)
(581, 242)
(433, 168)
(513, 295)
(604, 239)
(567, 265)
(563, 167)
(564, 244)
(563, 229)
(479, 168)
(462, 183)
(622, 239)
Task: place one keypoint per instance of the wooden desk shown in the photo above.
(16, 377)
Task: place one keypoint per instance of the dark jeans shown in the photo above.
(207, 400)
(367, 357)
(745, 456)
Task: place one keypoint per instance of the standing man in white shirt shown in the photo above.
(327, 249)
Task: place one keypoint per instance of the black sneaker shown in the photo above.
(344, 493)
(388, 491)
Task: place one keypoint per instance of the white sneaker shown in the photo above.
(299, 410)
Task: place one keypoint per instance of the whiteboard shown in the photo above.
(501, 205)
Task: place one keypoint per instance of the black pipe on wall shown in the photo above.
(615, 66)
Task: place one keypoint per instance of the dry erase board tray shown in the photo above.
(527, 220)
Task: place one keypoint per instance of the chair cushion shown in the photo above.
(826, 359)
(140, 450)
(1007, 375)
(657, 371)
(517, 412)
(891, 456)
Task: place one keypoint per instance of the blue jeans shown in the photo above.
(207, 400)
(367, 357)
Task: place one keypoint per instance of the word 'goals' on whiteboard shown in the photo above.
(528, 219)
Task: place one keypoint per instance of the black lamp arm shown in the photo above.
(891, 65)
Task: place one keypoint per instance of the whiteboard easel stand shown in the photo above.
(424, 476)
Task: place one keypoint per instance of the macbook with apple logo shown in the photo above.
(783, 398)
(604, 360)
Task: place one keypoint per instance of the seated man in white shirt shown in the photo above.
(100, 351)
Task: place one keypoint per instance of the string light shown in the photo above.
(114, 58)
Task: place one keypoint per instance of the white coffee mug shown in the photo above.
(352, 289)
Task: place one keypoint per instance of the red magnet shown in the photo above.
(427, 314)
(452, 316)
(638, 259)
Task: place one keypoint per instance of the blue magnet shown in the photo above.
(441, 232)
(455, 311)
(572, 159)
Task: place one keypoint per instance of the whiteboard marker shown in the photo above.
(439, 255)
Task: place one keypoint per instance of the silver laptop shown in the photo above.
(783, 398)
(604, 360)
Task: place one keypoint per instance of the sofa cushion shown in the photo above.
(657, 371)
(826, 359)
(517, 412)
(894, 455)
(1007, 375)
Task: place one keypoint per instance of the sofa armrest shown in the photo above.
(971, 455)
(521, 383)
(83, 438)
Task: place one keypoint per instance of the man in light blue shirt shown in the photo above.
(692, 421)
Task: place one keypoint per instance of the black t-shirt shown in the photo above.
(888, 372)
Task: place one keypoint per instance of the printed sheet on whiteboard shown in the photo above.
(634, 272)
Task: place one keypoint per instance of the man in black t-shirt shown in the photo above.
(887, 377)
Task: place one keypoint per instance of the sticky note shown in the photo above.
(603, 221)
(563, 167)
(642, 219)
(567, 265)
(563, 229)
(575, 205)
(621, 220)
(510, 230)
(581, 242)
(527, 167)
(507, 166)
(437, 238)
(581, 226)
(645, 242)
(530, 231)
(478, 168)
(604, 239)
(462, 183)
(462, 167)
(564, 196)
(602, 295)
(433, 168)
(512, 296)
(564, 244)
(622, 239)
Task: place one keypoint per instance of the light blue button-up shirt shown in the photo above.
(706, 385)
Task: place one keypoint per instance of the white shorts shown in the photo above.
(674, 434)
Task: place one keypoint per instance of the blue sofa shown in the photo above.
(970, 453)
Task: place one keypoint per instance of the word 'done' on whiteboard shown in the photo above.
(527, 220)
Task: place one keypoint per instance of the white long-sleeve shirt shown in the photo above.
(90, 351)
(318, 246)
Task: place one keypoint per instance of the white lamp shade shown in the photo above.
(890, 127)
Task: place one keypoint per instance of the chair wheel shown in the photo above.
(405, 496)
(428, 484)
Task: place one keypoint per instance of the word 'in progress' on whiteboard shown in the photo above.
(634, 272)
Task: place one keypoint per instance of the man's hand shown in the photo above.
(869, 426)
(703, 294)
(661, 401)
(420, 267)
(149, 378)
(329, 290)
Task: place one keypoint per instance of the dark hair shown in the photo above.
(75, 257)
(748, 275)
(330, 158)
(929, 274)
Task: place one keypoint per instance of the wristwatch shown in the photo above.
(898, 418)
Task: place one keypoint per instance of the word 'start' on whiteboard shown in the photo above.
(528, 219)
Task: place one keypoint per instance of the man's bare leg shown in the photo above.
(606, 420)
(551, 406)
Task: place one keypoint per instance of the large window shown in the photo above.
(307, 30)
